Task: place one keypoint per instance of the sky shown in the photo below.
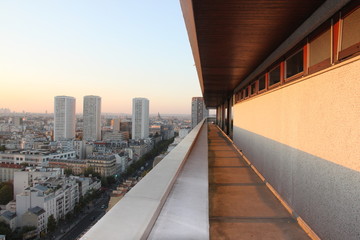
(115, 49)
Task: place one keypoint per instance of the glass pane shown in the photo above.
(253, 88)
(295, 64)
(320, 48)
(274, 76)
(351, 30)
(262, 83)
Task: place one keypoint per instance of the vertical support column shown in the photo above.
(222, 117)
(217, 115)
(229, 116)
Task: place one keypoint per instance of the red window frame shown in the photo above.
(354, 49)
(299, 74)
(281, 69)
(254, 83)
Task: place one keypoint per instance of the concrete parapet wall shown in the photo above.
(135, 214)
(304, 139)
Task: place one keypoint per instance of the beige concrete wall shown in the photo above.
(305, 139)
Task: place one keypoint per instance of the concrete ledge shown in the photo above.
(134, 216)
(185, 214)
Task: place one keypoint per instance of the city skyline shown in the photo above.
(112, 50)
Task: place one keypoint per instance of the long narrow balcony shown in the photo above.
(203, 189)
(241, 205)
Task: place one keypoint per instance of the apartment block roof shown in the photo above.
(8, 215)
(36, 210)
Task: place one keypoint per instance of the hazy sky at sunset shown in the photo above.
(116, 49)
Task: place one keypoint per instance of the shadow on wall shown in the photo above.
(325, 195)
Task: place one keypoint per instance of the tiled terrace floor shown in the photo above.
(240, 204)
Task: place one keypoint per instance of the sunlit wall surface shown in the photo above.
(304, 138)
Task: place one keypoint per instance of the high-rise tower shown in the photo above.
(198, 111)
(64, 117)
(92, 118)
(140, 118)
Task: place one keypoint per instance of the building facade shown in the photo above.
(92, 118)
(285, 86)
(105, 165)
(115, 136)
(198, 111)
(77, 166)
(140, 118)
(31, 176)
(64, 117)
(34, 157)
(9, 218)
(7, 171)
(34, 217)
(56, 196)
(115, 124)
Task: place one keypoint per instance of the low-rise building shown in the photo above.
(79, 147)
(77, 166)
(115, 136)
(34, 157)
(105, 165)
(57, 196)
(167, 132)
(35, 217)
(94, 184)
(30, 176)
(8, 218)
(7, 171)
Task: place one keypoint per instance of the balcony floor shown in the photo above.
(240, 204)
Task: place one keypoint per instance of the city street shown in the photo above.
(75, 228)
(85, 223)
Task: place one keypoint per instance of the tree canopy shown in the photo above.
(51, 225)
(160, 147)
(6, 192)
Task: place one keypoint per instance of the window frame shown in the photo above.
(265, 83)
(247, 92)
(242, 94)
(327, 25)
(274, 85)
(238, 96)
(256, 88)
(299, 74)
(354, 49)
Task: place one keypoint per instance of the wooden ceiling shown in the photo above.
(234, 36)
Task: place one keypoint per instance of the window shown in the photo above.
(262, 83)
(350, 41)
(320, 51)
(253, 88)
(246, 92)
(274, 76)
(237, 97)
(295, 64)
